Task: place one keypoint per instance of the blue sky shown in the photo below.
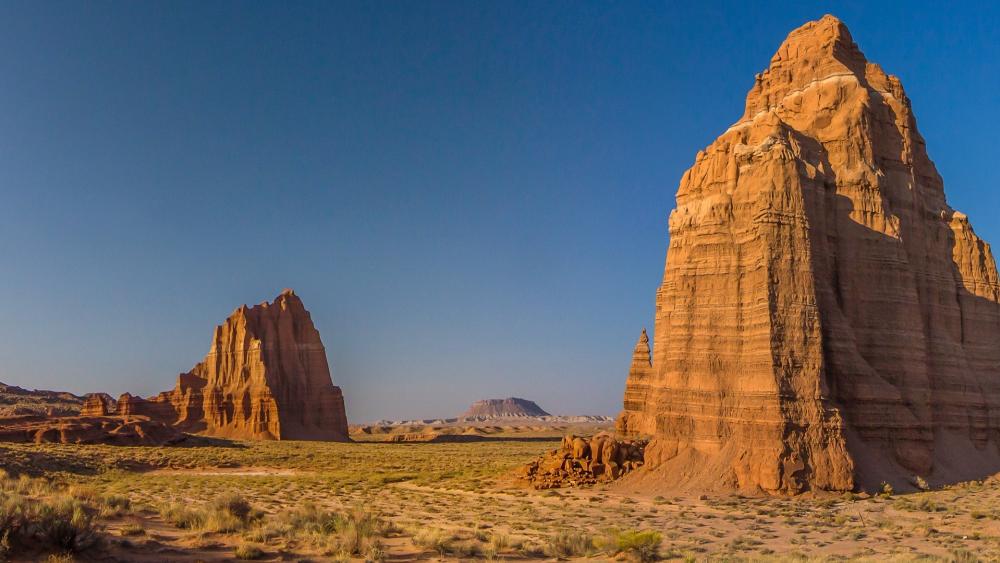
(470, 197)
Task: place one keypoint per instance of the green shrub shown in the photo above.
(643, 546)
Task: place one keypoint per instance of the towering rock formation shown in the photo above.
(826, 320)
(265, 377)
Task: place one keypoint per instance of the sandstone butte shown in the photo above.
(826, 321)
(265, 377)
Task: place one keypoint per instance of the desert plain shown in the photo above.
(216, 500)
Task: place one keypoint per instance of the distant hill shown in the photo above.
(511, 407)
(16, 400)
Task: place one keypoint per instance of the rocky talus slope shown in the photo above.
(265, 377)
(826, 320)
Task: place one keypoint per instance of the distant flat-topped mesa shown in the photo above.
(826, 321)
(511, 407)
(265, 377)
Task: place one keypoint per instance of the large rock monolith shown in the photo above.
(265, 377)
(826, 320)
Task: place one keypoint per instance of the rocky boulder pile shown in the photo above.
(585, 461)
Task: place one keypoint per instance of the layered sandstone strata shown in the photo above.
(826, 320)
(111, 430)
(265, 377)
(98, 404)
(16, 401)
(511, 407)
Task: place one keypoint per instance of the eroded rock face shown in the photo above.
(112, 430)
(15, 401)
(826, 320)
(265, 377)
(98, 404)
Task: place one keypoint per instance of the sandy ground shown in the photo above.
(465, 495)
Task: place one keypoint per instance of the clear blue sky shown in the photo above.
(470, 197)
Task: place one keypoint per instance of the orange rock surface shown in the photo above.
(826, 320)
(265, 377)
(112, 430)
(98, 404)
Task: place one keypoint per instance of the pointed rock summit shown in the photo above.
(265, 377)
(826, 321)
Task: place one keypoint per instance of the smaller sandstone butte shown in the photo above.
(511, 407)
(98, 404)
(265, 377)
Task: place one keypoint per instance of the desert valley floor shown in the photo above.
(321, 501)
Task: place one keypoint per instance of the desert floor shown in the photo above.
(292, 501)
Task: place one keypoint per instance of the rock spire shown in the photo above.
(826, 321)
(265, 377)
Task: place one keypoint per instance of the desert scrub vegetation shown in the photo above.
(638, 545)
(635, 545)
(227, 513)
(356, 532)
(465, 543)
(570, 544)
(35, 517)
(248, 551)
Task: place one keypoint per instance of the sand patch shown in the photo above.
(232, 472)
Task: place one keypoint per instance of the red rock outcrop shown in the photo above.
(826, 320)
(16, 401)
(584, 461)
(265, 377)
(134, 431)
(98, 404)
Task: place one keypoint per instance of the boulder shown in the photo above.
(576, 462)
